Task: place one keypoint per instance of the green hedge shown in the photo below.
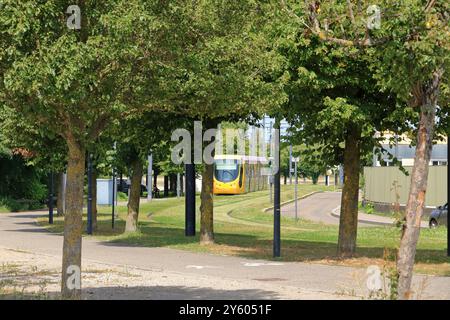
(14, 205)
(21, 181)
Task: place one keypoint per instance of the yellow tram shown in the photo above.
(235, 174)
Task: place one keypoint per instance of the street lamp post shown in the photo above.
(178, 185)
(290, 164)
(296, 188)
(448, 197)
(277, 194)
(190, 200)
(50, 198)
(271, 177)
(114, 191)
(149, 178)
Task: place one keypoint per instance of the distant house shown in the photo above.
(403, 151)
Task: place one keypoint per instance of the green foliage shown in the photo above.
(67, 84)
(21, 133)
(14, 205)
(21, 181)
(343, 75)
(369, 208)
(221, 61)
(121, 196)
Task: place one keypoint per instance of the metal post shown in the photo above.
(270, 188)
(335, 178)
(448, 197)
(396, 147)
(89, 203)
(296, 189)
(149, 178)
(114, 193)
(190, 200)
(166, 186)
(178, 185)
(271, 174)
(290, 164)
(276, 207)
(341, 175)
(50, 198)
(113, 213)
(374, 158)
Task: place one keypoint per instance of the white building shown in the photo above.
(405, 152)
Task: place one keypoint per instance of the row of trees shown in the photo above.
(138, 69)
(353, 76)
(129, 60)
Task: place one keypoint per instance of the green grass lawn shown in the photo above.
(242, 229)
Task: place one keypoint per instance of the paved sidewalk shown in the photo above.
(19, 231)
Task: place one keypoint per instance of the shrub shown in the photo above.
(122, 196)
(370, 208)
(14, 205)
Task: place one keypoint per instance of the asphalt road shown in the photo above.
(324, 207)
(316, 207)
(19, 231)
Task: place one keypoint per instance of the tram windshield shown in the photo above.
(226, 170)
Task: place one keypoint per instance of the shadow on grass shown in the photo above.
(255, 247)
(250, 245)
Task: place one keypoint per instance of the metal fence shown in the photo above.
(389, 185)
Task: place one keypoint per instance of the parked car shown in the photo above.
(125, 185)
(439, 216)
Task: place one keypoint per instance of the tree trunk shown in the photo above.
(206, 194)
(207, 206)
(166, 186)
(182, 184)
(135, 196)
(348, 224)
(61, 189)
(73, 223)
(315, 178)
(172, 183)
(419, 179)
(94, 199)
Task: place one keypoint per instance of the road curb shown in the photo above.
(379, 223)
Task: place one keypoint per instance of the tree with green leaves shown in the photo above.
(312, 162)
(70, 83)
(137, 135)
(406, 48)
(219, 75)
(46, 152)
(334, 104)
(414, 64)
